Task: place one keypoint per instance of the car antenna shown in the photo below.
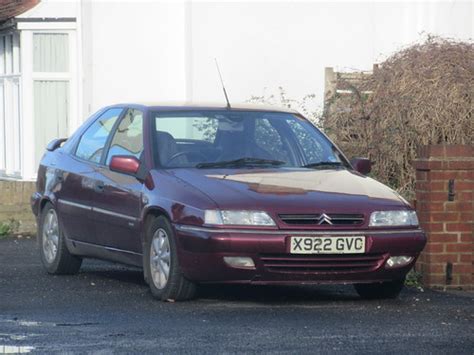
(223, 86)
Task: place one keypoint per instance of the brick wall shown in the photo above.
(15, 204)
(11, 8)
(445, 206)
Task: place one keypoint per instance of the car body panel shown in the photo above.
(206, 249)
(67, 184)
(116, 202)
(110, 222)
(292, 190)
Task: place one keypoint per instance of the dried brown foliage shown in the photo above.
(421, 95)
(305, 105)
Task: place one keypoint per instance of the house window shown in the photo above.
(51, 88)
(10, 119)
(50, 52)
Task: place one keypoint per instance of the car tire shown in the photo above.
(160, 255)
(380, 290)
(55, 256)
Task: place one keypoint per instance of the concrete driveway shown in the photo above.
(107, 308)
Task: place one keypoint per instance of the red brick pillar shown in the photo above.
(445, 207)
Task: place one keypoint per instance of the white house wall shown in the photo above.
(165, 50)
(128, 50)
(125, 51)
(269, 44)
(133, 51)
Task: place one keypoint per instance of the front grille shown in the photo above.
(321, 263)
(323, 219)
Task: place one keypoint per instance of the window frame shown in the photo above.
(114, 127)
(54, 75)
(11, 120)
(29, 123)
(156, 164)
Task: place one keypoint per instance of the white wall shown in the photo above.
(147, 50)
(133, 51)
(269, 44)
(152, 50)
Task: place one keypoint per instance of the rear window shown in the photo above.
(92, 142)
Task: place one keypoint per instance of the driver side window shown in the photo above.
(128, 138)
(92, 143)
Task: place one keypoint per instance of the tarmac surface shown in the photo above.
(107, 308)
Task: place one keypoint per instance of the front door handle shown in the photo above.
(99, 187)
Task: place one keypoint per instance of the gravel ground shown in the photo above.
(107, 308)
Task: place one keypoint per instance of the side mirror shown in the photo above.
(125, 164)
(55, 144)
(362, 165)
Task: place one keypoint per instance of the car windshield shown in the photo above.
(240, 139)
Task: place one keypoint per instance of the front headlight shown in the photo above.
(393, 218)
(242, 218)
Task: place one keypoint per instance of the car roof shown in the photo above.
(187, 106)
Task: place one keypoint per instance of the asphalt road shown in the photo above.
(107, 309)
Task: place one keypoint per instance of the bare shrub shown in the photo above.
(419, 96)
(306, 105)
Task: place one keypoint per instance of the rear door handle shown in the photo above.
(99, 187)
(59, 176)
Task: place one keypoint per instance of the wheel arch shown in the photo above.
(154, 212)
(149, 215)
(43, 203)
(45, 199)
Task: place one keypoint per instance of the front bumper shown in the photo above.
(201, 252)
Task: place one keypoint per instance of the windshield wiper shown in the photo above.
(242, 162)
(323, 164)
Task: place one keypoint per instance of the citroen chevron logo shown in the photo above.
(324, 219)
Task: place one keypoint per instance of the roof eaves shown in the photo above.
(8, 25)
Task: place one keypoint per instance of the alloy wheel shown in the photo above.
(160, 258)
(50, 236)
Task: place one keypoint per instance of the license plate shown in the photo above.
(327, 245)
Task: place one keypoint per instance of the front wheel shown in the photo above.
(54, 254)
(380, 290)
(161, 266)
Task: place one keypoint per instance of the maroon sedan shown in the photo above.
(209, 194)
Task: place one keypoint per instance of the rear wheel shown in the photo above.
(161, 265)
(54, 254)
(380, 290)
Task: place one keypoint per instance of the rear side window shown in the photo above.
(128, 138)
(92, 143)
